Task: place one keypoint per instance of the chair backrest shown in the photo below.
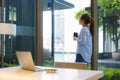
(71, 65)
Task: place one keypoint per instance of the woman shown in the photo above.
(84, 39)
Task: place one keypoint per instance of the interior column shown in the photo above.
(94, 63)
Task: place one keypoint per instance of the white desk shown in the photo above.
(16, 73)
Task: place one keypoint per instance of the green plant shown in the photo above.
(79, 13)
(10, 65)
(110, 73)
(48, 63)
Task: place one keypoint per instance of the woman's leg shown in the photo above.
(79, 58)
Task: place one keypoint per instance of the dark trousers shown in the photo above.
(79, 58)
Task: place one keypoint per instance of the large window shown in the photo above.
(65, 25)
(109, 38)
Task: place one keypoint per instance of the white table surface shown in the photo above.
(16, 73)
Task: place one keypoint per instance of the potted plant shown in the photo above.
(116, 55)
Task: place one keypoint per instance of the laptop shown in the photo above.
(26, 62)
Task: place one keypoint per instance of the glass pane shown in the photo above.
(47, 35)
(66, 24)
(109, 38)
(16, 11)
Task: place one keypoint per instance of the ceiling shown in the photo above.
(58, 5)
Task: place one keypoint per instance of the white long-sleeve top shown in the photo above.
(84, 44)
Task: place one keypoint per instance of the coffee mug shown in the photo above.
(75, 34)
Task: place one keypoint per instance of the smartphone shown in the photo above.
(75, 34)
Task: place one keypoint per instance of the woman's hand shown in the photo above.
(75, 38)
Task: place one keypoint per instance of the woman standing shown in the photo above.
(84, 39)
